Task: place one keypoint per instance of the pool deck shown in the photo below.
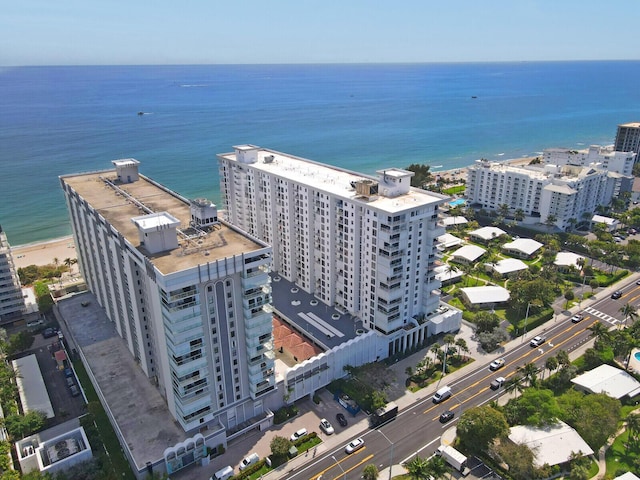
(634, 363)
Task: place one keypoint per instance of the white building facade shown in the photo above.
(189, 295)
(12, 305)
(602, 158)
(565, 193)
(365, 246)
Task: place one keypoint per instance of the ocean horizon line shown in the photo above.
(452, 62)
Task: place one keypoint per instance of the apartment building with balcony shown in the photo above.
(596, 156)
(363, 245)
(188, 294)
(12, 305)
(567, 193)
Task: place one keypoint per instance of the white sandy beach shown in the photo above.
(44, 253)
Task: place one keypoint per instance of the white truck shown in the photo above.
(454, 458)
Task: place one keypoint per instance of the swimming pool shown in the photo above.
(457, 202)
(637, 355)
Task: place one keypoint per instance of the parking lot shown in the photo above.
(65, 406)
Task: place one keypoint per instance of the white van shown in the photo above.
(223, 473)
(250, 460)
(442, 394)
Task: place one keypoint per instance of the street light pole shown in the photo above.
(391, 458)
(526, 317)
(338, 463)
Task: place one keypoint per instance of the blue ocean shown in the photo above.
(60, 120)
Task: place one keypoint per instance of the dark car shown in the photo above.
(49, 332)
(616, 295)
(341, 420)
(446, 416)
(68, 372)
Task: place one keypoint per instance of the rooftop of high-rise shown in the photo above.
(119, 203)
(339, 181)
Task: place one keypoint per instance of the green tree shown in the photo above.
(417, 468)
(43, 296)
(461, 343)
(438, 467)
(551, 364)
(422, 175)
(568, 296)
(597, 419)
(370, 472)
(377, 400)
(478, 427)
(486, 321)
(628, 311)
(279, 449)
(519, 458)
(563, 358)
(529, 372)
(535, 406)
(633, 425)
(19, 342)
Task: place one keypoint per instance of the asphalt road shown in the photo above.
(417, 430)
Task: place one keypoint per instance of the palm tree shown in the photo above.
(600, 332)
(436, 349)
(628, 311)
(462, 346)
(529, 372)
(503, 209)
(519, 214)
(417, 468)
(563, 358)
(514, 385)
(551, 364)
(633, 425)
(438, 467)
(550, 221)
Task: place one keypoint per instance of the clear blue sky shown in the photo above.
(86, 32)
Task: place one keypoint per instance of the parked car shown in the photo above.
(35, 323)
(537, 341)
(341, 419)
(496, 364)
(250, 460)
(616, 295)
(68, 373)
(74, 390)
(577, 318)
(446, 416)
(497, 383)
(356, 444)
(326, 426)
(300, 433)
(49, 332)
(70, 382)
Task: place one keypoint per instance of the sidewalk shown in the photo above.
(310, 413)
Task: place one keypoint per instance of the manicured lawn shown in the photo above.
(622, 456)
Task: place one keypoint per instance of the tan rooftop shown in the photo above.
(119, 202)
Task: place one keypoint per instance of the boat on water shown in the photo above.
(140, 113)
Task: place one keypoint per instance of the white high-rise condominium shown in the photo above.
(188, 294)
(363, 245)
(11, 300)
(564, 194)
